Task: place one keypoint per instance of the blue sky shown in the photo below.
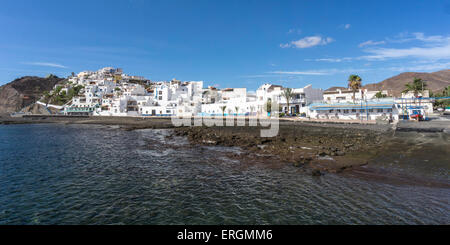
(226, 43)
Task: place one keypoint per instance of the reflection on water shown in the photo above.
(84, 174)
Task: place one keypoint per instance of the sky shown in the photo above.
(226, 43)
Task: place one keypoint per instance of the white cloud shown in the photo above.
(308, 42)
(425, 67)
(407, 37)
(331, 59)
(418, 36)
(371, 43)
(430, 39)
(297, 73)
(46, 64)
(433, 47)
(434, 52)
(294, 30)
(345, 26)
(429, 48)
(321, 72)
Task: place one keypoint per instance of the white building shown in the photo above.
(109, 92)
(409, 100)
(298, 104)
(383, 109)
(346, 95)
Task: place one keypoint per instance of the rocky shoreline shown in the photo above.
(320, 149)
(128, 123)
(316, 148)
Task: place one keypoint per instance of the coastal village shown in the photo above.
(111, 92)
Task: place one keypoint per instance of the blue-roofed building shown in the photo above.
(382, 109)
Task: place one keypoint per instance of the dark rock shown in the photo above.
(316, 173)
(323, 153)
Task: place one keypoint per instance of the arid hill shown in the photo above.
(436, 81)
(24, 91)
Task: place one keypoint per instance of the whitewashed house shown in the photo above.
(298, 104)
(346, 95)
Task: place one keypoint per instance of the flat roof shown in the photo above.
(368, 105)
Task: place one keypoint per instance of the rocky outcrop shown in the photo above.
(10, 100)
(319, 149)
(24, 91)
(38, 109)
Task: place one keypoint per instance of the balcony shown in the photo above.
(298, 101)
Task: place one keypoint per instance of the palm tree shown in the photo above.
(269, 106)
(416, 86)
(288, 94)
(354, 83)
(223, 108)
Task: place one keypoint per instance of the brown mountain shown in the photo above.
(436, 81)
(24, 91)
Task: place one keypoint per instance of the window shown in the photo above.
(338, 110)
(389, 110)
(380, 110)
(346, 111)
(331, 111)
(370, 110)
(354, 110)
(160, 97)
(362, 110)
(160, 92)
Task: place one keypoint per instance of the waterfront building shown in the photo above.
(409, 102)
(237, 102)
(302, 97)
(381, 109)
(346, 95)
(229, 101)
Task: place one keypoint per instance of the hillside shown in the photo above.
(436, 81)
(24, 91)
